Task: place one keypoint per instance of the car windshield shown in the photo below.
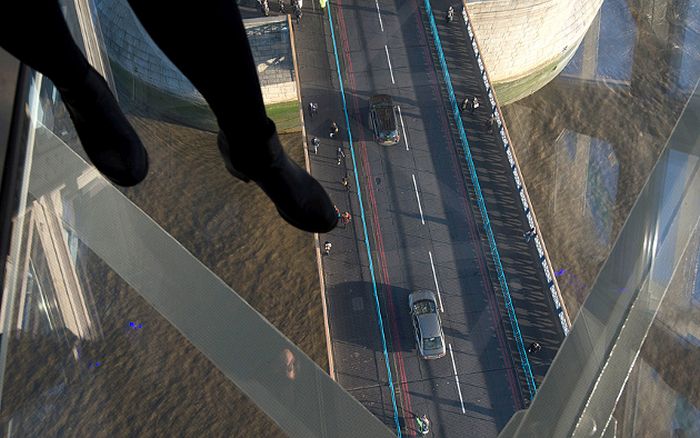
(388, 134)
(432, 343)
(424, 306)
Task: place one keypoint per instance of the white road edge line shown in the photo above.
(442, 309)
(403, 127)
(415, 186)
(376, 2)
(386, 49)
(459, 390)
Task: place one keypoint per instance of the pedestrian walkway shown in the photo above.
(529, 288)
(360, 365)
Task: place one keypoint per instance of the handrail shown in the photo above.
(545, 262)
(525, 363)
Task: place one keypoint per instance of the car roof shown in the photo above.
(381, 100)
(429, 324)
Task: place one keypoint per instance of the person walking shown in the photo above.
(248, 141)
(315, 143)
(345, 183)
(327, 247)
(322, 3)
(265, 8)
(297, 15)
(450, 14)
(333, 131)
(283, 8)
(529, 235)
(489, 123)
(313, 109)
(346, 217)
(423, 424)
(465, 104)
(475, 104)
(535, 347)
(341, 154)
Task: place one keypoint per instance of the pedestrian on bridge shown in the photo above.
(341, 154)
(466, 104)
(297, 15)
(345, 183)
(489, 123)
(327, 248)
(313, 109)
(333, 130)
(423, 424)
(315, 143)
(535, 347)
(450, 14)
(529, 235)
(323, 4)
(346, 217)
(475, 104)
(264, 7)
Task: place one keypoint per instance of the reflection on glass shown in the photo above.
(662, 396)
(618, 30)
(629, 365)
(112, 327)
(85, 354)
(689, 42)
(588, 140)
(601, 191)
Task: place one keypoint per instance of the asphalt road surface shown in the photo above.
(422, 226)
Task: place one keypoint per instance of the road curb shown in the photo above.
(317, 247)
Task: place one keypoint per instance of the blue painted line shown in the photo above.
(364, 226)
(532, 387)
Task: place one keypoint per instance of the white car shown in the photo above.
(430, 338)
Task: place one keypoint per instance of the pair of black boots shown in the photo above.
(116, 150)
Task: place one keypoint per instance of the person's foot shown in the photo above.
(299, 198)
(107, 137)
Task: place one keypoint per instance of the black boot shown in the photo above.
(299, 198)
(106, 135)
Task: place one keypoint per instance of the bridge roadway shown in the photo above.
(424, 228)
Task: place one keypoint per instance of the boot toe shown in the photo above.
(314, 212)
(300, 199)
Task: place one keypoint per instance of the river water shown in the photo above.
(587, 143)
(588, 140)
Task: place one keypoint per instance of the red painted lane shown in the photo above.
(384, 272)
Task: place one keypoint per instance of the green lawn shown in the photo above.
(285, 115)
(147, 100)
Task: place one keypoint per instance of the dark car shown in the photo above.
(383, 119)
(427, 325)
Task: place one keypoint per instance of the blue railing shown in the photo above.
(532, 387)
(520, 184)
(364, 226)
